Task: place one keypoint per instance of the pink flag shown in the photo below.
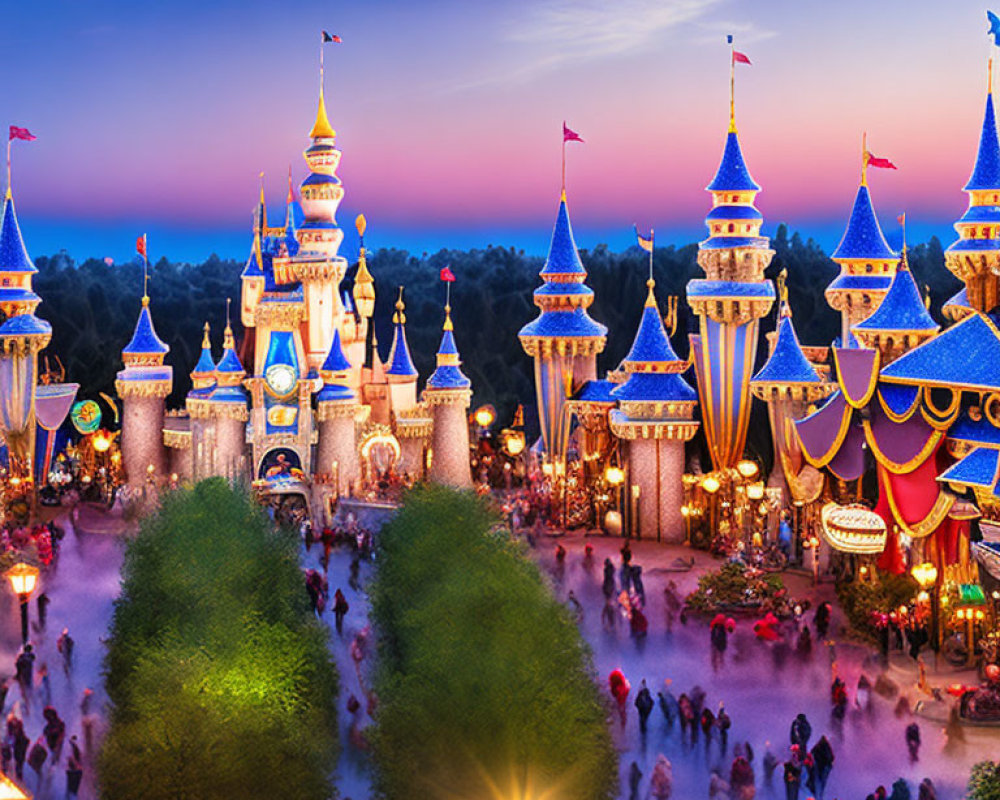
(570, 135)
(882, 163)
(740, 58)
(447, 275)
(21, 133)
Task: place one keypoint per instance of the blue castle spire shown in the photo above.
(902, 308)
(986, 172)
(13, 254)
(144, 341)
(787, 363)
(334, 374)
(400, 362)
(863, 238)
(448, 374)
(732, 174)
(563, 297)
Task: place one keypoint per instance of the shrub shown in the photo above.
(485, 685)
(984, 782)
(219, 676)
(862, 599)
(731, 586)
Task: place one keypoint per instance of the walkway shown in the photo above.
(762, 694)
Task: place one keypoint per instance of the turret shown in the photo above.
(730, 300)
(401, 374)
(448, 393)
(975, 257)
(16, 268)
(654, 420)
(227, 408)
(143, 386)
(563, 340)
(336, 407)
(252, 281)
(867, 263)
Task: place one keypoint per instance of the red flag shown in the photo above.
(881, 163)
(740, 58)
(331, 37)
(901, 219)
(140, 245)
(570, 135)
(21, 133)
(447, 275)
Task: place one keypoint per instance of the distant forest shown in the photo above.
(93, 308)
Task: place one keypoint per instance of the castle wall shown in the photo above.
(142, 437)
(230, 447)
(337, 442)
(450, 446)
(412, 458)
(656, 467)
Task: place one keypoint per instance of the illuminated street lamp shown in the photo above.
(514, 442)
(926, 575)
(484, 416)
(23, 578)
(711, 484)
(614, 475)
(10, 790)
(748, 468)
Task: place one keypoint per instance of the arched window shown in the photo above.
(732, 227)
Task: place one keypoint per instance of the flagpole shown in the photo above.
(563, 186)
(8, 166)
(732, 86)
(864, 158)
(651, 246)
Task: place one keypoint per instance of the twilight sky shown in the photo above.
(158, 116)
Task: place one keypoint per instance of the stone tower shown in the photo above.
(448, 393)
(336, 407)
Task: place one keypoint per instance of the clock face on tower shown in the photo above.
(281, 379)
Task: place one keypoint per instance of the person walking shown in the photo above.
(608, 587)
(24, 668)
(19, 743)
(634, 779)
(770, 763)
(637, 583)
(43, 609)
(54, 732)
(707, 724)
(74, 773)
(913, 741)
(686, 716)
(800, 732)
(821, 620)
(626, 568)
(926, 790)
(723, 723)
(644, 705)
(672, 602)
(340, 608)
(609, 616)
(822, 756)
(65, 644)
(742, 782)
(793, 779)
(668, 705)
(619, 686)
(661, 784)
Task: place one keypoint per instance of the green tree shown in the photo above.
(485, 685)
(219, 675)
(984, 782)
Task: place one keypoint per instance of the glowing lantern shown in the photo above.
(755, 491)
(101, 441)
(23, 578)
(484, 416)
(925, 574)
(614, 475)
(747, 468)
(711, 484)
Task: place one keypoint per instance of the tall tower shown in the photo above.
(143, 387)
(448, 393)
(336, 405)
(316, 264)
(729, 302)
(401, 374)
(867, 264)
(563, 340)
(22, 336)
(252, 280)
(655, 419)
(975, 257)
(202, 444)
(227, 408)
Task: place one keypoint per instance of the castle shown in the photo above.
(301, 404)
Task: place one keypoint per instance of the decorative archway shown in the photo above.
(380, 451)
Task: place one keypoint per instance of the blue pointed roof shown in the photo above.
(863, 238)
(144, 339)
(733, 175)
(787, 363)
(25, 325)
(563, 257)
(252, 268)
(448, 374)
(206, 364)
(978, 468)
(13, 254)
(230, 362)
(979, 432)
(335, 361)
(400, 362)
(986, 172)
(966, 355)
(654, 387)
(651, 344)
(902, 308)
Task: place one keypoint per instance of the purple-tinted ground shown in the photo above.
(760, 697)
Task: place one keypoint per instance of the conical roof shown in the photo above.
(733, 175)
(13, 254)
(986, 172)
(787, 363)
(206, 364)
(333, 371)
(400, 362)
(902, 308)
(448, 374)
(651, 347)
(863, 238)
(144, 339)
(563, 258)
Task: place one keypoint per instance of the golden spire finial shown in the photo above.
(206, 342)
(781, 281)
(399, 318)
(263, 204)
(864, 158)
(650, 298)
(321, 128)
(291, 194)
(228, 342)
(902, 222)
(447, 318)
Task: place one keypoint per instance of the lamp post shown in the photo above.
(926, 575)
(615, 476)
(23, 578)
